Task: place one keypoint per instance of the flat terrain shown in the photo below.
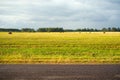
(68, 47)
(59, 72)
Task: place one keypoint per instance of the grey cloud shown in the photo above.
(60, 12)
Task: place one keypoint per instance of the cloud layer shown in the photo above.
(59, 13)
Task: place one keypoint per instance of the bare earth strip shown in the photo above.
(59, 72)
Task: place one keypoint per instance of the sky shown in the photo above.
(69, 14)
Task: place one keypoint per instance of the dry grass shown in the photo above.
(72, 47)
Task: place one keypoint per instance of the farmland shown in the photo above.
(68, 47)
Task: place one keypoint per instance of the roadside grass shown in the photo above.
(68, 47)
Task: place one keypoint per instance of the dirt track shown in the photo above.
(59, 72)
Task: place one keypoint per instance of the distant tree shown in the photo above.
(78, 30)
(96, 30)
(84, 29)
(92, 30)
(109, 29)
(104, 29)
(8, 30)
(118, 29)
(42, 30)
(114, 29)
(57, 29)
(87, 30)
(50, 30)
(27, 30)
(69, 30)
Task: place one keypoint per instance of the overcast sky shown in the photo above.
(69, 14)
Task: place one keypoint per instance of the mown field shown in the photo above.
(69, 47)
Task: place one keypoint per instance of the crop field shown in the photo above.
(67, 47)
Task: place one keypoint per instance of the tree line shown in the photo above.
(113, 29)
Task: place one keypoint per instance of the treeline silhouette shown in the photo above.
(7, 30)
(113, 29)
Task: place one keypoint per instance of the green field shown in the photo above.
(68, 47)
